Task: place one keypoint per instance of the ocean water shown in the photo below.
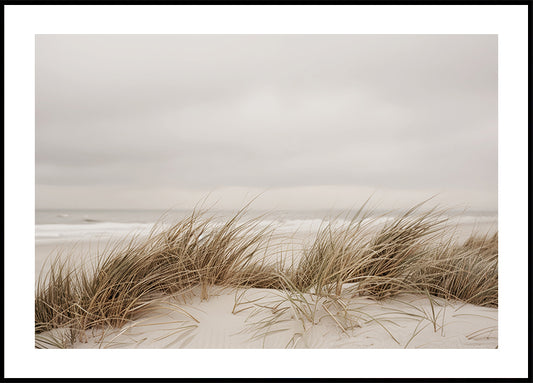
(81, 235)
(85, 224)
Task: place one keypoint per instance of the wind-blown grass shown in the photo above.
(125, 280)
(377, 257)
(467, 272)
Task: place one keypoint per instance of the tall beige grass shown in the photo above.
(413, 252)
(466, 272)
(372, 256)
(125, 280)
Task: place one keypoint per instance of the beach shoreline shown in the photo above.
(314, 314)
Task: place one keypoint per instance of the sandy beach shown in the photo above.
(242, 319)
(269, 318)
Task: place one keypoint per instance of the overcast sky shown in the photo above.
(313, 121)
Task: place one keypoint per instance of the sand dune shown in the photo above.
(400, 282)
(264, 318)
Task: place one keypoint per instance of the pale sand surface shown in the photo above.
(241, 319)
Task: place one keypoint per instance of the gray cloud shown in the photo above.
(410, 112)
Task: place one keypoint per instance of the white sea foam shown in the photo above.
(85, 231)
(469, 219)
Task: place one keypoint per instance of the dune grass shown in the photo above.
(126, 279)
(374, 256)
(466, 272)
